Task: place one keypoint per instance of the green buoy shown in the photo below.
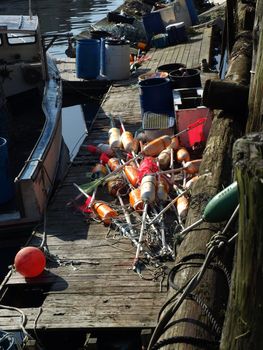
(219, 208)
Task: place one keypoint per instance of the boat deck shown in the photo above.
(91, 285)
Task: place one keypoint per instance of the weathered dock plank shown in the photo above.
(89, 282)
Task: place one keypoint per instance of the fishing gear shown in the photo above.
(103, 210)
(114, 135)
(148, 196)
(219, 208)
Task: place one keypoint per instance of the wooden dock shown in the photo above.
(91, 285)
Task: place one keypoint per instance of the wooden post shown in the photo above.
(244, 318)
(217, 161)
(255, 122)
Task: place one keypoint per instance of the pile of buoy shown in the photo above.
(151, 183)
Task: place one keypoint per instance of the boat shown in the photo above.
(31, 146)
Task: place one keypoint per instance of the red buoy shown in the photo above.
(30, 261)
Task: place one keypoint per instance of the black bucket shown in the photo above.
(99, 34)
(170, 67)
(228, 96)
(185, 78)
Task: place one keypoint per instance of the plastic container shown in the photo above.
(192, 11)
(101, 35)
(170, 67)
(167, 14)
(88, 58)
(160, 41)
(185, 78)
(176, 33)
(156, 96)
(153, 24)
(6, 192)
(116, 59)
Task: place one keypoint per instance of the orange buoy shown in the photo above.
(164, 158)
(135, 199)
(132, 174)
(104, 212)
(190, 182)
(99, 169)
(156, 146)
(127, 141)
(182, 204)
(183, 155)
(192, 167)
(116, 186)
(113, 163)
(161, 192)
(174, 143)
(30, 261)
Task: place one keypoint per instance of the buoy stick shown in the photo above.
(92, 198)
(126, 214)
(164, 244)
(135, 262)
(80, 190)
(167, 207)
(194, 125)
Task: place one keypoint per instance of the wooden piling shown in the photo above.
(255, 122)
(244, 318)
(216, 172)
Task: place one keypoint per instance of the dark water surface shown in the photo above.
(61, 16)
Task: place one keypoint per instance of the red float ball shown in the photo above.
(30, 261)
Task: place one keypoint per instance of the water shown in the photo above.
(61, 16)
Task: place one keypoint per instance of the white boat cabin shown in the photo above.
(22, 58)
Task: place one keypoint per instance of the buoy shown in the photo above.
(183, 155)
(164, 158)
(30, 261)
(105, 212)
(132, 175)
(114, 138)
(156, 146)
(113, 163)
(135, 199)
(148, 187)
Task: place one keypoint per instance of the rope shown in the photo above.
(23, 319)
(213, 248)
(198, 342)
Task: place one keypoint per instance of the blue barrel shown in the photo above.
(176, 33)
(192, 11)
(153, 24)
(156, 96)
(6, 188)
(88, 58)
